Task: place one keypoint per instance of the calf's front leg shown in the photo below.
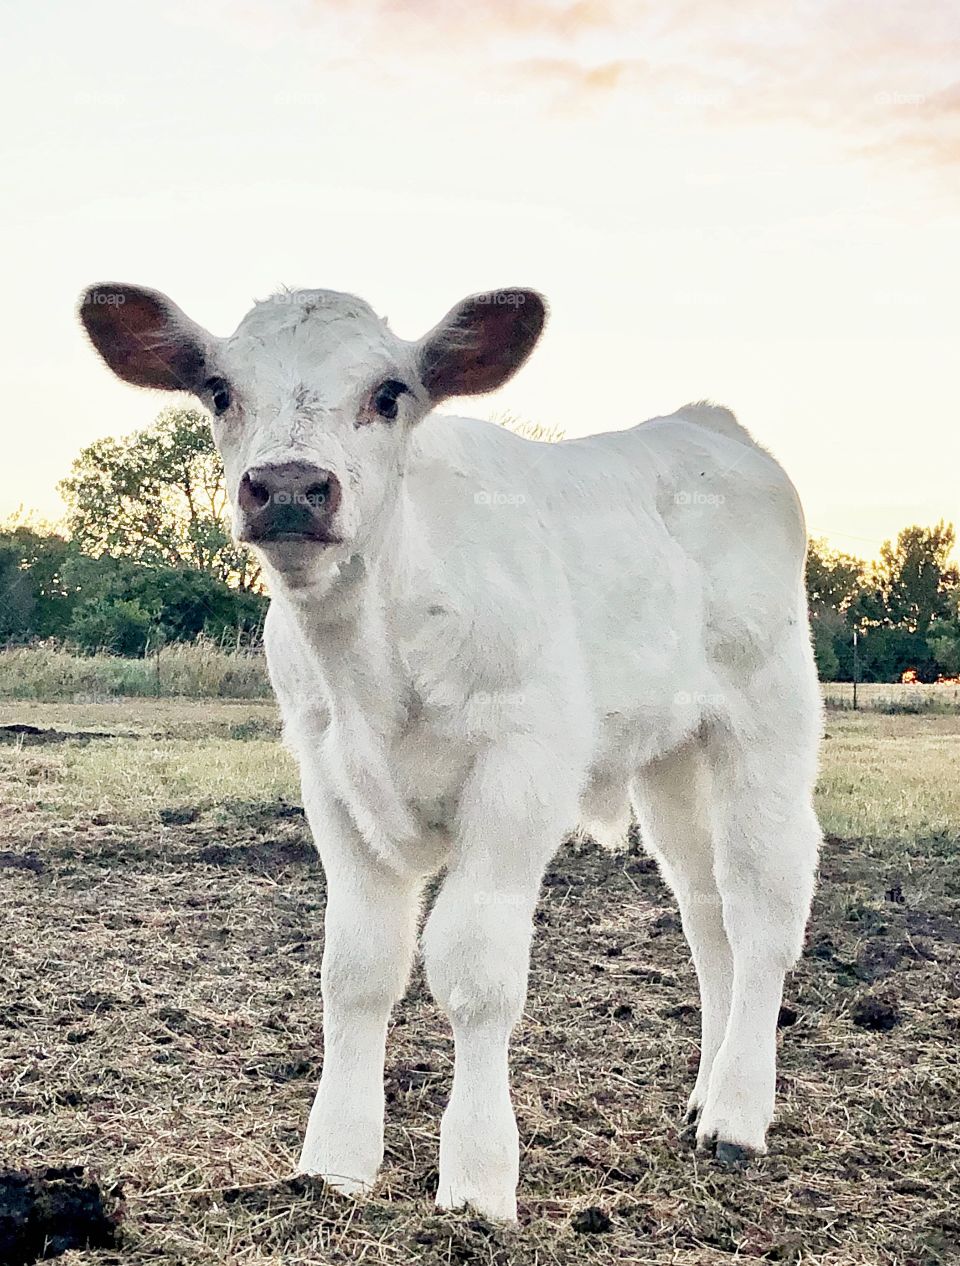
(476, 951)
(369, 940)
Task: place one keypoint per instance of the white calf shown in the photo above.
(478, 643)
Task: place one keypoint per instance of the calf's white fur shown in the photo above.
(500, 641)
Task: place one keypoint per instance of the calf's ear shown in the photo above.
(481, 342)
(144, 337)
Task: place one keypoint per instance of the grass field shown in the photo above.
(161, 915)
(206, 670)
(893, 697)
(200, 670)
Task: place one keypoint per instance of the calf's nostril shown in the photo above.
(259, 493)
(318, 494)
(253, 495)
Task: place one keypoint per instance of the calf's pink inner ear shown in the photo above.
(481, 343)
(144, 337)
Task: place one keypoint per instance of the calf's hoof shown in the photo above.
(688, 1128)
(343, 1184)
(495, 1206)
(732, 1155)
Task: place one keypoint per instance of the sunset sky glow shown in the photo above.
(726, 200)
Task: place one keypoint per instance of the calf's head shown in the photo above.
(313, 399)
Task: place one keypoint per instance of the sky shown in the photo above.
(735, 200)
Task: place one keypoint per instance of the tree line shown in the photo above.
(146, 555)
(146, 558)
(904, 609)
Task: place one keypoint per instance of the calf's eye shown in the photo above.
(385, 398)
(219, 392)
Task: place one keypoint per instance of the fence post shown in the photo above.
(856, 667)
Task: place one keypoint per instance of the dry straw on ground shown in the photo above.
(160, 1022)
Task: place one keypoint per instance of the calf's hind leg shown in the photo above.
(767, 841)
(671, 801)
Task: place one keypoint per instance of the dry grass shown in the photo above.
(205, 670)
(200, 669)
(891, 777)
(160, 1020)
(893, 697)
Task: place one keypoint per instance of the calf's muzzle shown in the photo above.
(292, 501)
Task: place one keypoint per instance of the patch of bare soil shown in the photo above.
(20, 732)
(160, 1024)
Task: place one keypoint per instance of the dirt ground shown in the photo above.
(160, 1025)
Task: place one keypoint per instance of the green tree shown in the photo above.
(944, 639)
(35, 598)
(945, 649)
(124, 606)
(827, 630)
(48, 588)
(835, 582)
(158, 497)
(913, 581)
(908, 604)
(110, 623)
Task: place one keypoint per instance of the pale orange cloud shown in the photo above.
(543, 17)
(883, 78)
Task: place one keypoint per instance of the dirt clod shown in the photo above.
(44, 1214)
(592, 1221)
(20, 861)
(179, 816)
(878, 1014)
